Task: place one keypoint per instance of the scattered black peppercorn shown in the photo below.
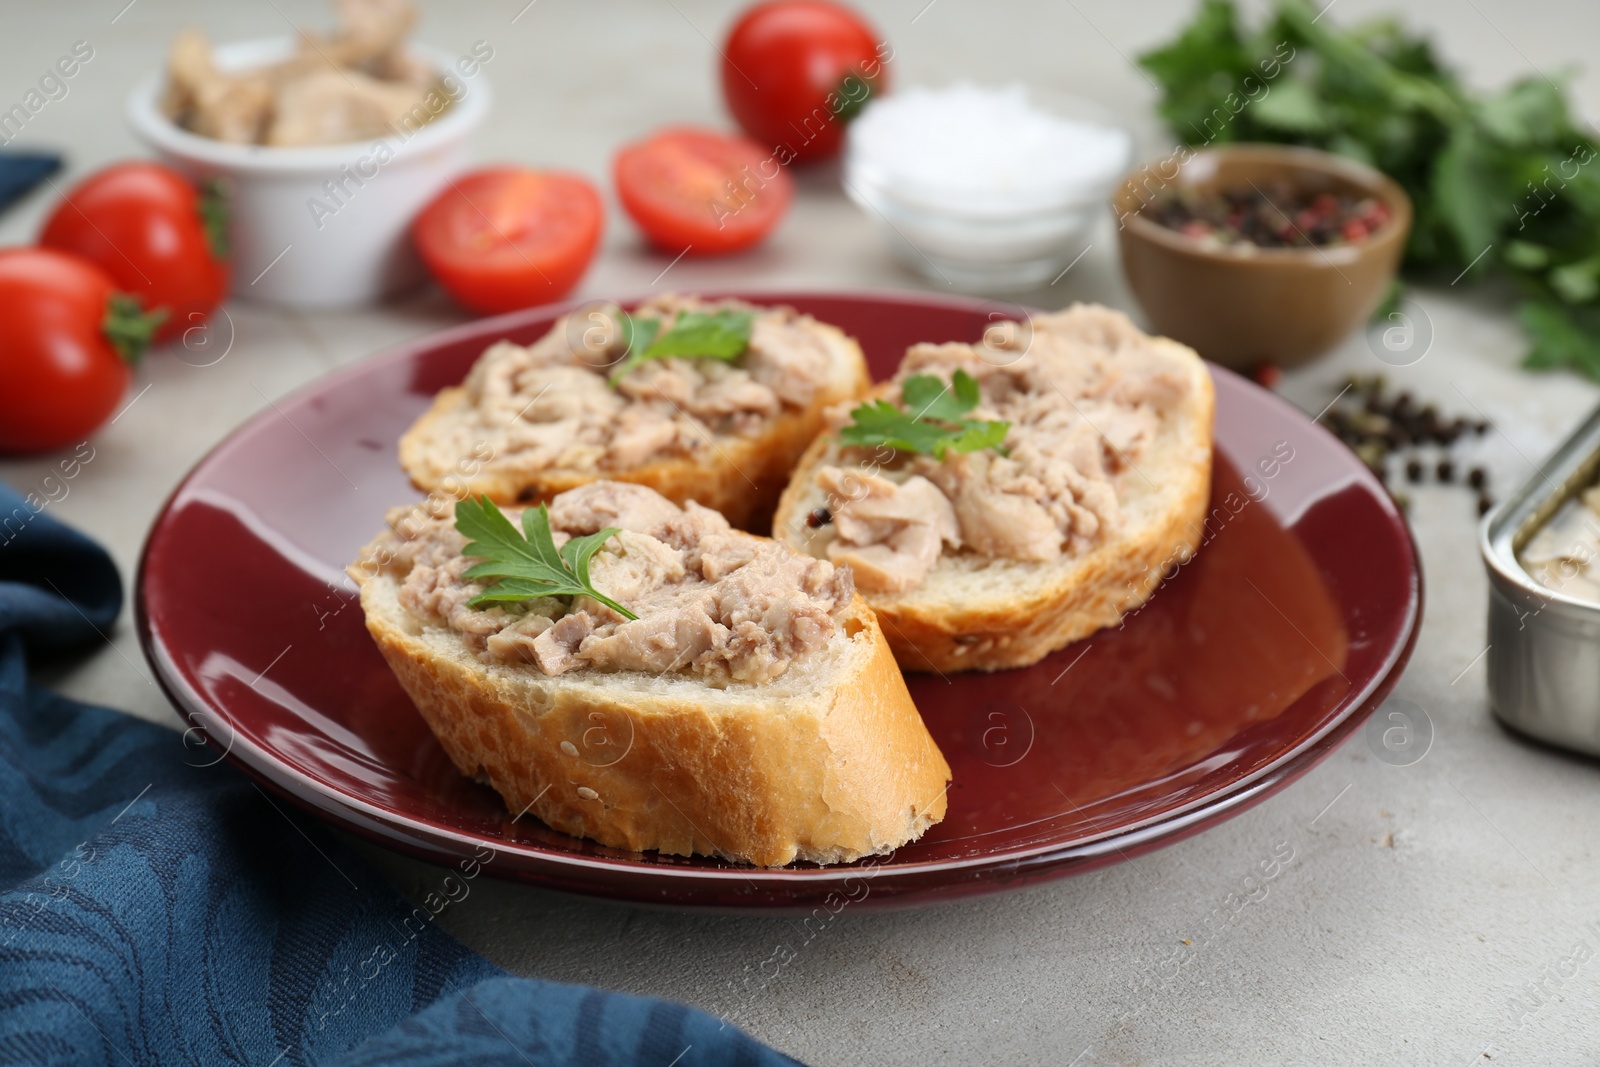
(820, 517)
(1376, 426)
(1373, 453)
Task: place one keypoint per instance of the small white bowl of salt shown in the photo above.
(984, 189)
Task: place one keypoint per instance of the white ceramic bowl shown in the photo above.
(324, 226)
(994, 242)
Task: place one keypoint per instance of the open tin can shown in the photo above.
(1544, 644)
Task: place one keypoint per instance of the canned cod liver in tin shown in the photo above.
(1542, 550)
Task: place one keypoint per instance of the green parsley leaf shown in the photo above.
(1466, 194)
(1209, 55)
(723, 335)
(527, 565)
(717, 335)
(932, 421)
(1577, 283)
(882, 423)
(1558, 340)
(1527, 255)
(981, 435)
(1292, 107)
(927, 397)
(638, 334)
(1531, 112)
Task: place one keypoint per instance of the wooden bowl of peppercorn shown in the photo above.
(1260, 254)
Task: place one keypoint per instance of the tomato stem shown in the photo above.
(855, 91)
(214, 216)
(129, 327)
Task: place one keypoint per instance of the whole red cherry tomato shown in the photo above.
(67, 340)
(795, 71)
(506, 237)
(702, 192)
(158, 237)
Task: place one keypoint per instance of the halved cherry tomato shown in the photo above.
(507, 237)
(67, 339)
(698, 191)
(794, 71)
(156, 235)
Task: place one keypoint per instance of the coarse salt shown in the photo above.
(948, 146)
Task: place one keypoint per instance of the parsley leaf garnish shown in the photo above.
(720, 335)
(637, 335)
(527, 565)
(932, 422)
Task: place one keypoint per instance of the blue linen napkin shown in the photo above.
(21, 171)
(156, 908)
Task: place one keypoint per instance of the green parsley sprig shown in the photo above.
(527, 565)
(1505, 183)
(932, 422)
(720, 335)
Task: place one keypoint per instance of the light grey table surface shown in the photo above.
(1420, 900)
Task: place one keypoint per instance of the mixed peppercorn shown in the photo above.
(1377, 427)
(1277, 216)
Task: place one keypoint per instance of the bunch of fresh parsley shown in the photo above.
(720, 335)
(1504, 184)
(527, 565)
(932, 421)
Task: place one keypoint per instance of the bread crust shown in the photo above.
(1061, 602)
(843, 771)
(742, 477)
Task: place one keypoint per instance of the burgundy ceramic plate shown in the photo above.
(1250, 664)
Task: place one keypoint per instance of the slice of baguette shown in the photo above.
(740, 476)
(828, 763)
(977, 613)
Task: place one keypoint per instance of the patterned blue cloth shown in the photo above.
(21, 171)
(155, 909)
